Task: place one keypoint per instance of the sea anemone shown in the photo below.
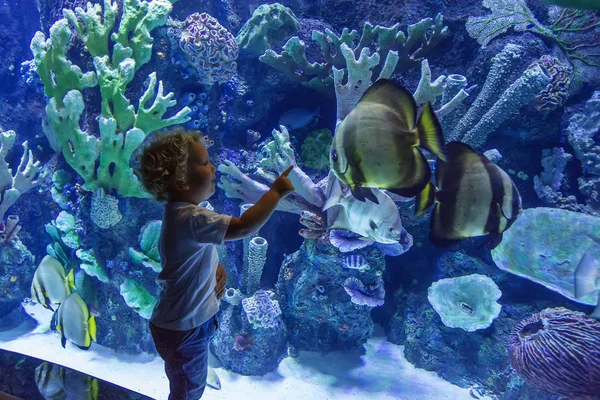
(557, 351)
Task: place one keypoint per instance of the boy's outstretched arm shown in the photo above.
(257, 215)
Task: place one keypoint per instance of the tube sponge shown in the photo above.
(233, 296)
(467, 302)
(257, 256)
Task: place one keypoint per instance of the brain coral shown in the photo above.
(209, 48)
(467, 302)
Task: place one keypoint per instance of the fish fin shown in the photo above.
(418, 180)
(425, 199)
(63, 340)
(430, 133)
(49, 307)
(334, 195)
(366, 239)
(92, 327)
(212, 379)
(71, 280)
(445, 196)
(587, 274)
(369, 195)
(363, 194)
(84, 347)
(317, 112)
(436, 234)
(441, 242)
(391, 94)
(494, 240)
(94, 389)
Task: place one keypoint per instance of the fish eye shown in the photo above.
(334, 155)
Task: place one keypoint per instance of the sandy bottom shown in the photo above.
(382, 373)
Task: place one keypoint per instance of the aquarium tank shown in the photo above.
(442, 240)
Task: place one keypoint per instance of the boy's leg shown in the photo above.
(186, 358)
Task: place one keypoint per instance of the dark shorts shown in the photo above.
(186, 358)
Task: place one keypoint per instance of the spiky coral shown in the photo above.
(25, 178)
(506, 14)
(407, 48)
(104, 163)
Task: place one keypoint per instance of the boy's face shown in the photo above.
(201, 173)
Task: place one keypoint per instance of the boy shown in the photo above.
(176, 168)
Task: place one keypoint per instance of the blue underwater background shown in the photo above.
(518, 80)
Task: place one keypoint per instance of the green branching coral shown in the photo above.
(149, 256)
(506, 14)
(410, 48)
(138, 298)
(104, 162)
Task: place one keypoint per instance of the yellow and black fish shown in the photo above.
(51, 285)
(375, 146)
(475, 197)
(58, 383)
(74, 322)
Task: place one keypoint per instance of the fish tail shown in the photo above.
(425, 199)
(587, 274)
(92, 327)
(430, 132)
(71, 280)
(317, 112)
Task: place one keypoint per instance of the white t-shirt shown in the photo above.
(189, 260)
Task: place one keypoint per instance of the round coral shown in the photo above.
(467, 302)
(558, 352)
(209, 48)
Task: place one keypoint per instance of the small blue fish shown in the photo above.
(297, 118)
(356, 261)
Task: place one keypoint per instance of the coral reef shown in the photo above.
(104, 163)
(467, 302)
(478, 360)
(138, 298)
(208, 48)
(318, 312)
(494, 105)
(25, 177)
(404, 50)
(545, 246)
(265, 353)
(268, 24)
(314, 152)
(9, 230)
(582, 133)
(279, 155)
(557, 351)
(515, 14)
(254, 262)
(149, 256)
(262, 311)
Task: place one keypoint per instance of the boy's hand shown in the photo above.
(221, 281)
(282, 185)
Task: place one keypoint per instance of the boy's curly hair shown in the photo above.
(163, 163)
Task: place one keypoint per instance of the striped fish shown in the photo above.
(475, 198)
(356, 261)
(376, 144)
